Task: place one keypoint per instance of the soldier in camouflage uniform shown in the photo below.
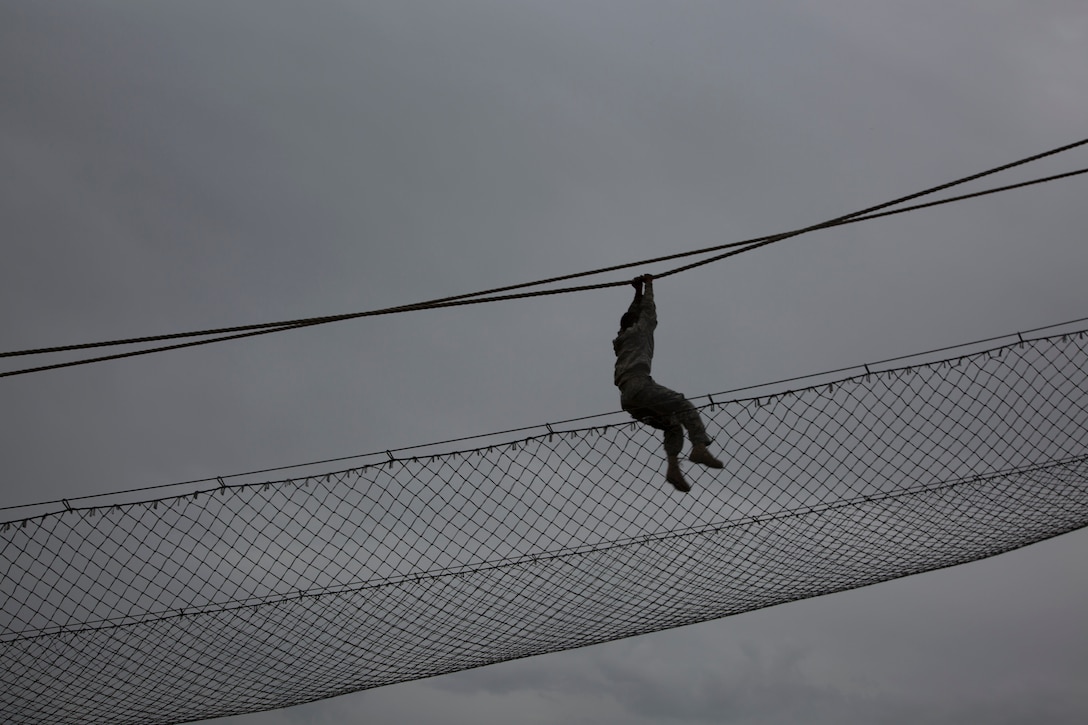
(646, 401)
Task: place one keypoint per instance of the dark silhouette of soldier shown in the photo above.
(646, 401)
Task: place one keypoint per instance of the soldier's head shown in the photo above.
(628, 319)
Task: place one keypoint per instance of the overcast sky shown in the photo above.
(181, 165)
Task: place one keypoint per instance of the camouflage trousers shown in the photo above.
(664, 409)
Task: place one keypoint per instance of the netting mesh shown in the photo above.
(260, 596)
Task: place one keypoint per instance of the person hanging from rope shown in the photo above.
(647, 401)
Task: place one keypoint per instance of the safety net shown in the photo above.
(239, 598)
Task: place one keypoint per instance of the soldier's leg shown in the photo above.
(666, 402)
(691, 420)
(674, 442)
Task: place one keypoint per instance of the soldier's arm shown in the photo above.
(636, 303)
(631, 316)
(648, 317)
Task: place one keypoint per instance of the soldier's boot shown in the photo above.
(676, 477)
(700, 455)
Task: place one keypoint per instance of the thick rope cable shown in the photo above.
(870, 213)
(479, 297)
(264, 595)
(469, 299)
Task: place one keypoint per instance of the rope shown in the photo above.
(918, 356)
(481, 297)
(869, 213)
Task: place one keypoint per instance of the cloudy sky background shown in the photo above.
(180, 165)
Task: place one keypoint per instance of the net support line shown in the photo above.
(264, 595)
